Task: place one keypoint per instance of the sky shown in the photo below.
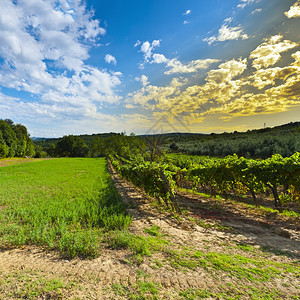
(144, 67)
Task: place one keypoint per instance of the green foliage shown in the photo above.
(143, 290)
(237, 266)
(60, 203)
(71, 146)
(241, 175)
(154, 230)
(155, 178)
(14, 140)
(99, 145)
(263, 143)
(123, 239)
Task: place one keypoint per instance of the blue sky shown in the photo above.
(76, 67)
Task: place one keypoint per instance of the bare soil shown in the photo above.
(207, 225)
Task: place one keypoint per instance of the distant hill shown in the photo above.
(257, 143)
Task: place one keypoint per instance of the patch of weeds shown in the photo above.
(135, 259)
(140, 245)
(80, 243)
(143, 290)
(177, 218)
(124, 239)
(193, 294)
(157, 264)
(186, 259)
(270, 212)
(262, 293)
(142, 274)
(290, 213)
(41, 286)
(241, 267)
(154, 230)
(120, 290)
(247, 248)
(215, 226)
(236, 265)
(31, 285)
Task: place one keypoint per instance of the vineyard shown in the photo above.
(231, 176)
(201, 247)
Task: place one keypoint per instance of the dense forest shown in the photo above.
(15, 140)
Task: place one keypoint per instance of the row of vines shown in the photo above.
(231, 175)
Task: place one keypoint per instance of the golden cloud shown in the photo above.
(294, 11)
(268, 53)
(178, 67)
(232, 89)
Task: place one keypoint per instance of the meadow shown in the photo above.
(66, 204)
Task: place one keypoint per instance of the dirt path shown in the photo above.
(31, 272)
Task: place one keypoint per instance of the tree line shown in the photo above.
(15, 140)
(263, 143)
(99, 146)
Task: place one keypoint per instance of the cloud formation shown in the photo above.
(227, 33)
(268, 53)
(258, 10)
(148, 47)
(188, 12)
(110, 59)
(294, 11)
(246, 3)
(232, 89)
(176, 66)
(43, 47)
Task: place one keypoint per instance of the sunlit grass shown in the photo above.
(62, 203)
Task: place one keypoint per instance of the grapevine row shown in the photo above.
(156, 179)
(240, 175)
(230, 175)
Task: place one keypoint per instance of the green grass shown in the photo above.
(231, 292)
(139, 245)
(238, 266)
(29, 284)
(63, 204)
(143, 290)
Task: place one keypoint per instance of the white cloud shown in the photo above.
(186, 22)
(258, 10)
(175, 66)
(188, 12)
(110, 59)
(148, 47)
(227, 33)
(246, 3)
(294, 11)
(43, 46)
(143, 79)
(159, 58)
(137, 43)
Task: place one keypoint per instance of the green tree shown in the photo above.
(72, 146)
(97, 147)
(9, 137)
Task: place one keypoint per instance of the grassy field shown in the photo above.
(64, 204)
